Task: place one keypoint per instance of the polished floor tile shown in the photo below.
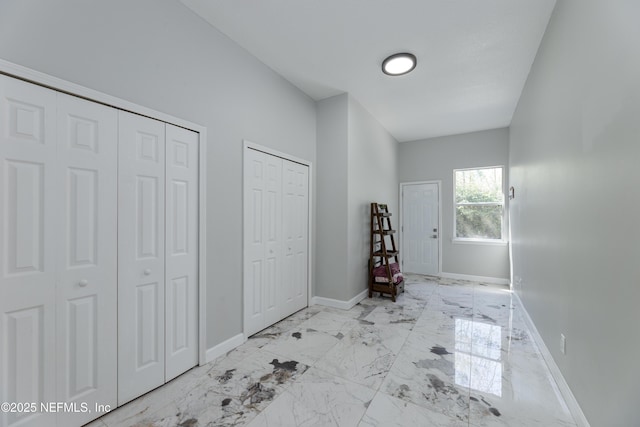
(447, 353)
(319, 399)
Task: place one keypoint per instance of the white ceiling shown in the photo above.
(473, 55)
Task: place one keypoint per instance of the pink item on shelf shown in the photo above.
(380, 273)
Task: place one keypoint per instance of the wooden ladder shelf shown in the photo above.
(384, 270)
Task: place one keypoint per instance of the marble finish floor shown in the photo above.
(447, 353)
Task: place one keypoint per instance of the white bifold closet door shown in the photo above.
(295, 239)
(57, 251)
(263, 240)
(86, 257)
(181, 261)
(140, 256)
(28, 244)
(157, 254)
(276, 216)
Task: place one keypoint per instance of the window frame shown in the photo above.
(480, 240)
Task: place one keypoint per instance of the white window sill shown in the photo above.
(484, 242)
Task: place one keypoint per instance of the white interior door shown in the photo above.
(28, 241)
(141, 255)
(181, 251)
(262, 239)
(420, 228)
(86, 256)
(295, 221)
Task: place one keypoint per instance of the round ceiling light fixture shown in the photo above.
(399, 64)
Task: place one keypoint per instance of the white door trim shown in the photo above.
(253, 146)
(42, 79)
(400, 203)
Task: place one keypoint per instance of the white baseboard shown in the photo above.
(494, 280)
(568, 396)
(225, 347)
(335, 303)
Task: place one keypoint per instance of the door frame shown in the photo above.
(401, 204)
(248, 145)
(41, 79)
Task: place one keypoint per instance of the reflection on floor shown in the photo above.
(448, 353)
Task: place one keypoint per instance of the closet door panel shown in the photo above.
(87, 256)
(181, 250)
(295, 241)
(141, 267)
(254, 247)
(273, 240)
(28, 243)
(262, 239)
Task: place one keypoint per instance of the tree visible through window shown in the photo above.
(479, 203)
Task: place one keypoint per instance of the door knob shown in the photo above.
(435, 236)
(435, 229)
(147, 272)
(82, 283)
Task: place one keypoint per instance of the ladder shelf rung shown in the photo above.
(385, 232)
(389, 253)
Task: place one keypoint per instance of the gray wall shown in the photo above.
(357, 164)
(574, 150)
(434, 160)
(373, 177)
(331, 241)
(158, 54)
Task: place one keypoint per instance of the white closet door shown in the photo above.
(86, 256)
(253, 241)
(141, 228)
(273, 240)
(295, 224)
(181, 251)
(29, 236)
(262, 239)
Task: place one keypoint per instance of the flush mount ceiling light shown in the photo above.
(399, 64)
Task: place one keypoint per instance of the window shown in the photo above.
(479, 204)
